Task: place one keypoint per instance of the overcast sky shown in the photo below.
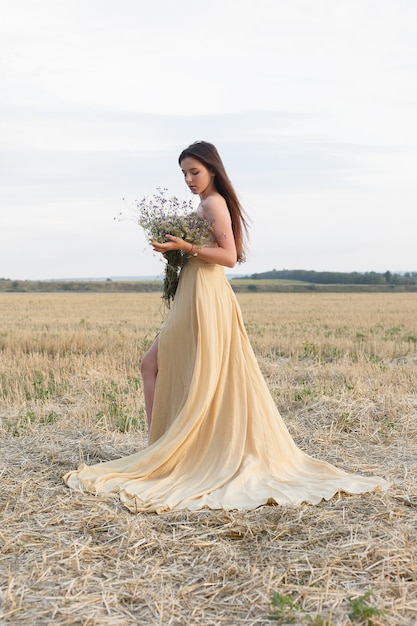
(311, 103)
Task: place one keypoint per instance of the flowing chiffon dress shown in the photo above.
(217, 439)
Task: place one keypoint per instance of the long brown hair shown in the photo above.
(208, 155)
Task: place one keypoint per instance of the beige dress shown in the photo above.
(217, 439)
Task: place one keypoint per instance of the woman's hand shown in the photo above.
(174, 243)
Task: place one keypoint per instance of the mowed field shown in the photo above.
(342, 369)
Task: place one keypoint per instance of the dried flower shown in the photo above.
(160, 215)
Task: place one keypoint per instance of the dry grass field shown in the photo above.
(343, 371)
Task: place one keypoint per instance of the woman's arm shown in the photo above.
(214, 208)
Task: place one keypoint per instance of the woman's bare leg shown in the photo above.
(149, 370)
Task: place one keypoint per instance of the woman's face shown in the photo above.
(199, 179)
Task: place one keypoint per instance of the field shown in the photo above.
(342, 369)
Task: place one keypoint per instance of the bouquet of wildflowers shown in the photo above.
(159, 216)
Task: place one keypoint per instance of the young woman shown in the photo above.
(216, 437)
(206, 176)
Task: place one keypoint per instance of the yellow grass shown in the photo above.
(343, 371)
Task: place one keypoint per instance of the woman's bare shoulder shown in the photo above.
(214, 206)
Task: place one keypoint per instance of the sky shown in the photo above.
(312, 105)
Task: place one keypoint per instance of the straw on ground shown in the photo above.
(343, 372)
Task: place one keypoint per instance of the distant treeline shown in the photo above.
(296, 281)
(340, 278)
(79, 286)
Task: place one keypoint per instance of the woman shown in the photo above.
(216, 437)
(206, 176)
